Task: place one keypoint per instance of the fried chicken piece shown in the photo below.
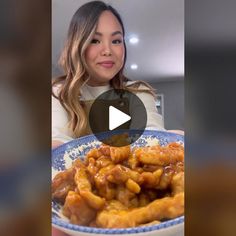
(132, 186)
(85, 188)
(103, 161)
(151, 168)
(77, 209)
(162, 177)
(165, 208)
(159, 179)
(94, 153)
(157, 155)
(152, 180)
(93, 200)
(175, 146)
(105, 188)
(166, 178)
(124, 195)
(119, 154)
(92, 169)
(133, 162)
(81, 179)
(177, 183)
(120, 174)
(78, 163)
(62, 183)
(114, 205)
(105, 150)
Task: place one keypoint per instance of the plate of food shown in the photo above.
(126, 190)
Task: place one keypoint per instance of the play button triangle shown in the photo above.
(114, 112)
(117, 118)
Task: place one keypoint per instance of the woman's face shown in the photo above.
(105, 54)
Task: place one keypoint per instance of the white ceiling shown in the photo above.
(159, 24)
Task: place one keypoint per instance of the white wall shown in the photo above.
(173, 103)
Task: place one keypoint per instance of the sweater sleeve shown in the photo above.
(60, 131)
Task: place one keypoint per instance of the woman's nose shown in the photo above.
(106, 50)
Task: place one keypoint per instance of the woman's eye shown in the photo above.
(95, 41)
(117, 41)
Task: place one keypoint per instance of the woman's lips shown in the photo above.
(106, 64)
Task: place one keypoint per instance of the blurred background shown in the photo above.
(210, 140)
(155, 47)
(25, 140)
(27, 36)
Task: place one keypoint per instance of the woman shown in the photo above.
(93, 60)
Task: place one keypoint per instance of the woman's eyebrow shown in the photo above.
(116, 32)
(113, 34)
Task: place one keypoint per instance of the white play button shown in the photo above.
(117, 118)
(114, 112)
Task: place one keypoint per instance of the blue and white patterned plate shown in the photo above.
(64, 155)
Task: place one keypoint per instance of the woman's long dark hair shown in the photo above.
(72, 60)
